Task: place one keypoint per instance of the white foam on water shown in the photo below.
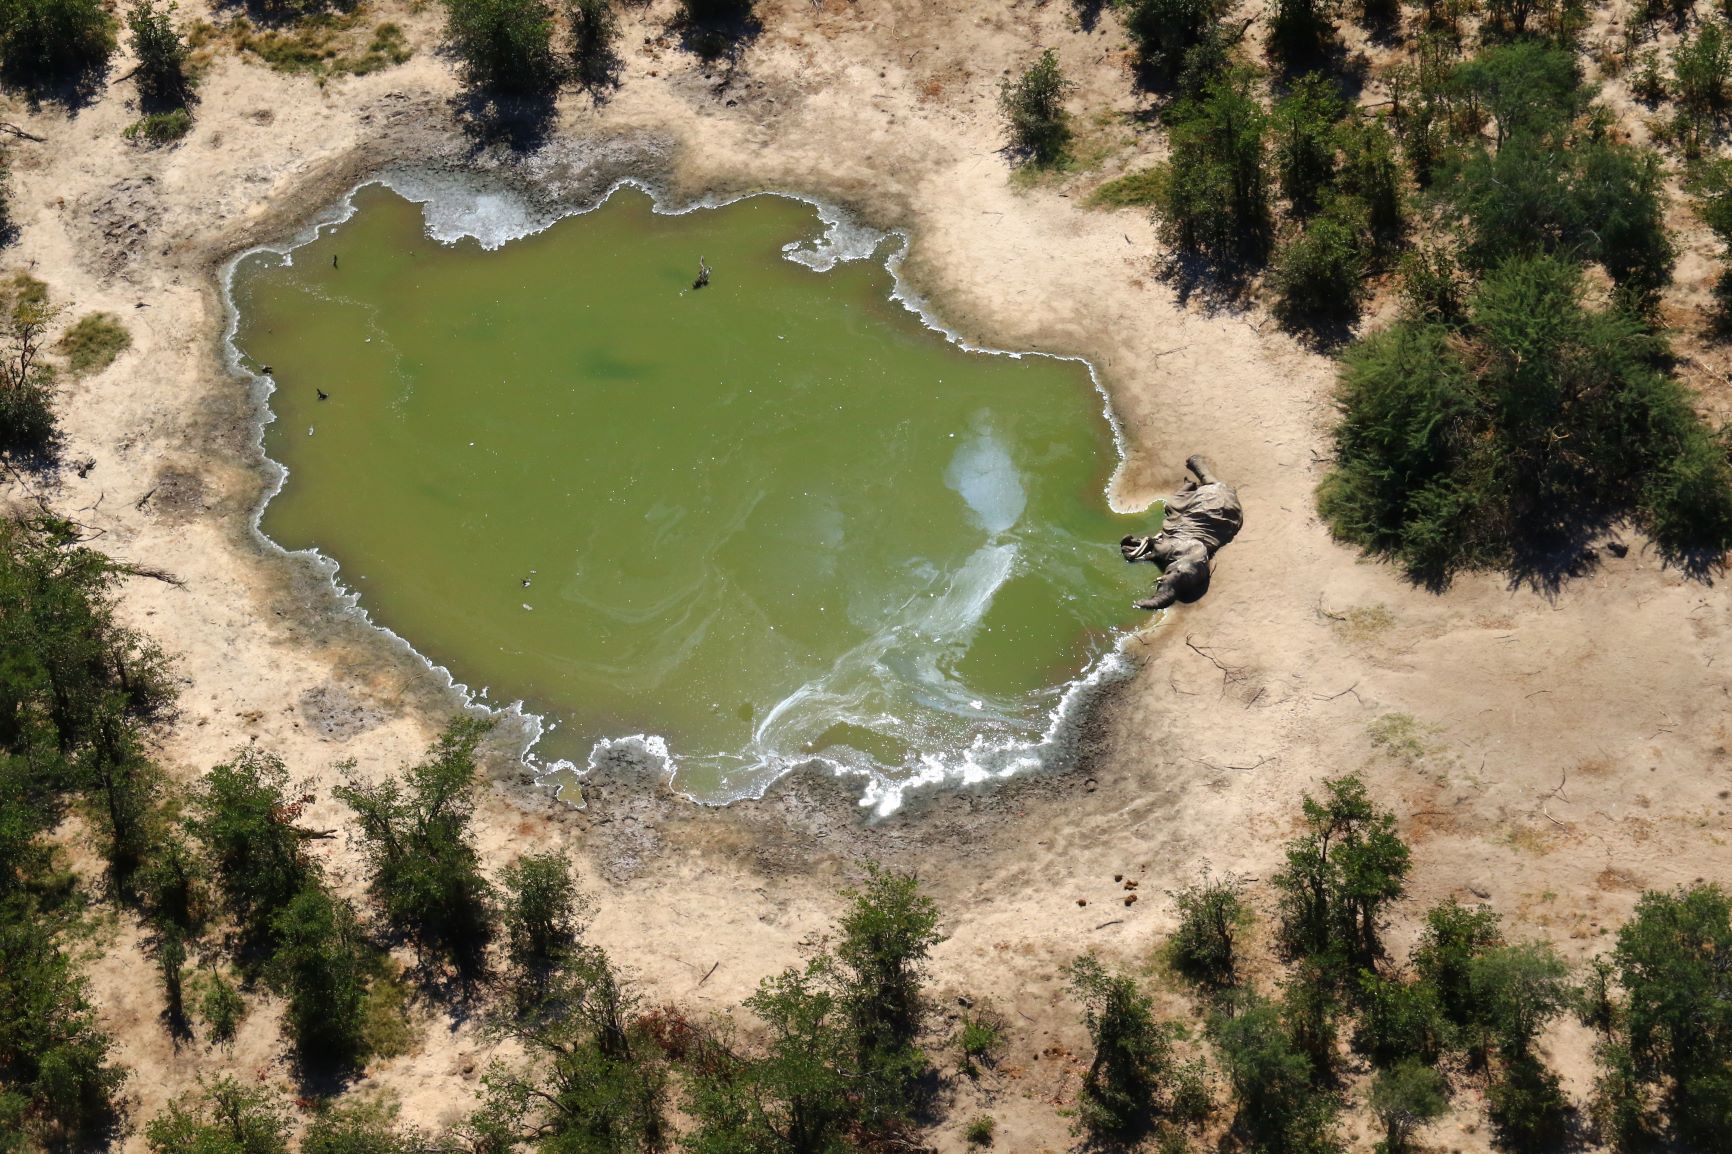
(456, 207)
(984, 474)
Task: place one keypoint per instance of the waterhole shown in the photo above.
(769, 521)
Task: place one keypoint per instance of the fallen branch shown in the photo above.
(1353, 689)
(1114, 922)
(708, 972)
(152, 572)
(14, 130)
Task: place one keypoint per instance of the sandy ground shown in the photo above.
(1564, 749)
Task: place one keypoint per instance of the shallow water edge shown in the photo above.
(496, 208)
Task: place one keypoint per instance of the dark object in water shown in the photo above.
(1201, 517)
(703, 275)
(333, 260)
(323, 395)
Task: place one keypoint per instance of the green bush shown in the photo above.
(1341, 874)
(1454, 938)
(1215, 195)
(1549, 187)
(1399, 1021)
(320, 965)
(162, 54)
(242, 815)
(28, 427)
(1405, 1098)
(980, 1130)
(1303, 127)
(1318, 273)
(1211, 915)
(56, 1060)
(226, 1118)
(160, 127)
(980, 1041)
(1279, 1108)
(505, 46)
(839, 1056)
(423, 872)
(48, 42)
(1472, 446)
(1670, 960)
(1433, 288)
(1371, 176)
(1516, 991)
(222, 1008)
(880, 956)
(1166, 33)
(1132, 1051)
(543, 913)
(1033, 107)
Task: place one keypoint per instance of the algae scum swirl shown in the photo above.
(772, 521)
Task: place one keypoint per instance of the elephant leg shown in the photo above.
(1203, 468)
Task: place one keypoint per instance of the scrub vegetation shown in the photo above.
(221, 875)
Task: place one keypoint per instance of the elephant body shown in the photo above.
(1202, 516)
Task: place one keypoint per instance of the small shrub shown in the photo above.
(222, 1008)
(162, 54)
(1669, 959)
(1303, 126)
(1433, 288)
(980, 1040)
(227, 1117)
(423, 869)
(160, 127)
(321, 965)
(1340, 875)
(1214, 192)
(1318, 275)
(1132, 1052)
(1211, 916)
(980, 1130)
(1398, 1021)
(1405, 1098)
(543, 910)
(1473, 446)
(27, 423)
(1271, 1078)
(1033, 107)
(356, 1128)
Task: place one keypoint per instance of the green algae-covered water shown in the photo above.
(774, 520)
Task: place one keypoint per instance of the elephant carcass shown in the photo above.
(1201, 517)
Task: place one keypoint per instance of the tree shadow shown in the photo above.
(285, 13)
(720, 35)
(1088, 13)
(72, 93)
(1219, 285)
(520, 122)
